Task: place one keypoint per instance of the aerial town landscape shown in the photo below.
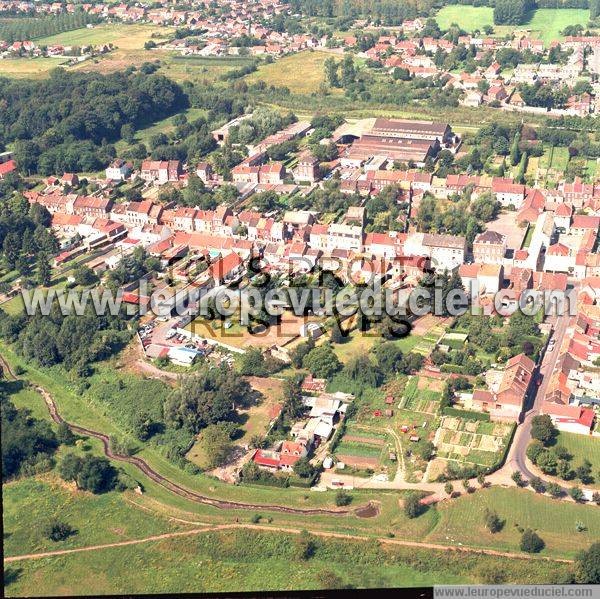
(299, 295)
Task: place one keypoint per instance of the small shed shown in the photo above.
(389, 400)
(389, 413)
(414, 438)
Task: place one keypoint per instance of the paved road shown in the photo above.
(516, 459)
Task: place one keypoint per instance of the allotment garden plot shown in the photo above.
(365, 448)
(421, 394)
(472, 441)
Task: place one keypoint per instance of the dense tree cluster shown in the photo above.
(463, 216)
(25, 239)
(72, 340)
(90, 473)
(207, 397)
(64, 123)
(27, 443)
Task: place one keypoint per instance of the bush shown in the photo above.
(492, 521)
(537, 484)
(576, 494)
(413, 506)
(58, 531)
(531, 542)
(342, 498)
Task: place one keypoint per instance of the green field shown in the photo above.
(302, 73)
(119, 34)
(128, 40)
(582, 447)
(467, 17)
(256, 560)
(461, 521)
(165, 126)
(29, 68)
(544, 23)
(547, 23)
(29, 504)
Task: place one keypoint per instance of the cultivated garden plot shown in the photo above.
(363, 448)
(422, 394)
(472, 441)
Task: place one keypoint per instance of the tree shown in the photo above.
(481, 479)
(342, 497)
(531, 542)
(128, 133)
(515, 152)
(518, 478)
(492, 521)
(64, 435)
(305, 546)
(331, 72)
(413, 506)
(44, 270)
(553, 490)
(587, 565)
(26, 441)
(58, 531)
(84, 275)
(96, 475)
(207, 397)
(69, 467)
(543, 429)
(389, 358)
(537, 484)
(594, 9)
(426, 450)
(510, 12)
(252, 363)
(547, 462)
(361, 370)
(348, 71)
(322, 362)
(215, 442)
(534, 449)
(576, 494)
(300, 351)
(303, 468)
(584, 472)
(449, 488)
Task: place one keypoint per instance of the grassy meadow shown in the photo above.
(257, 561)
(544, 23)
(302, 73)
(462, 521)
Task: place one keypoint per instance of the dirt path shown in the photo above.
(318, 533)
